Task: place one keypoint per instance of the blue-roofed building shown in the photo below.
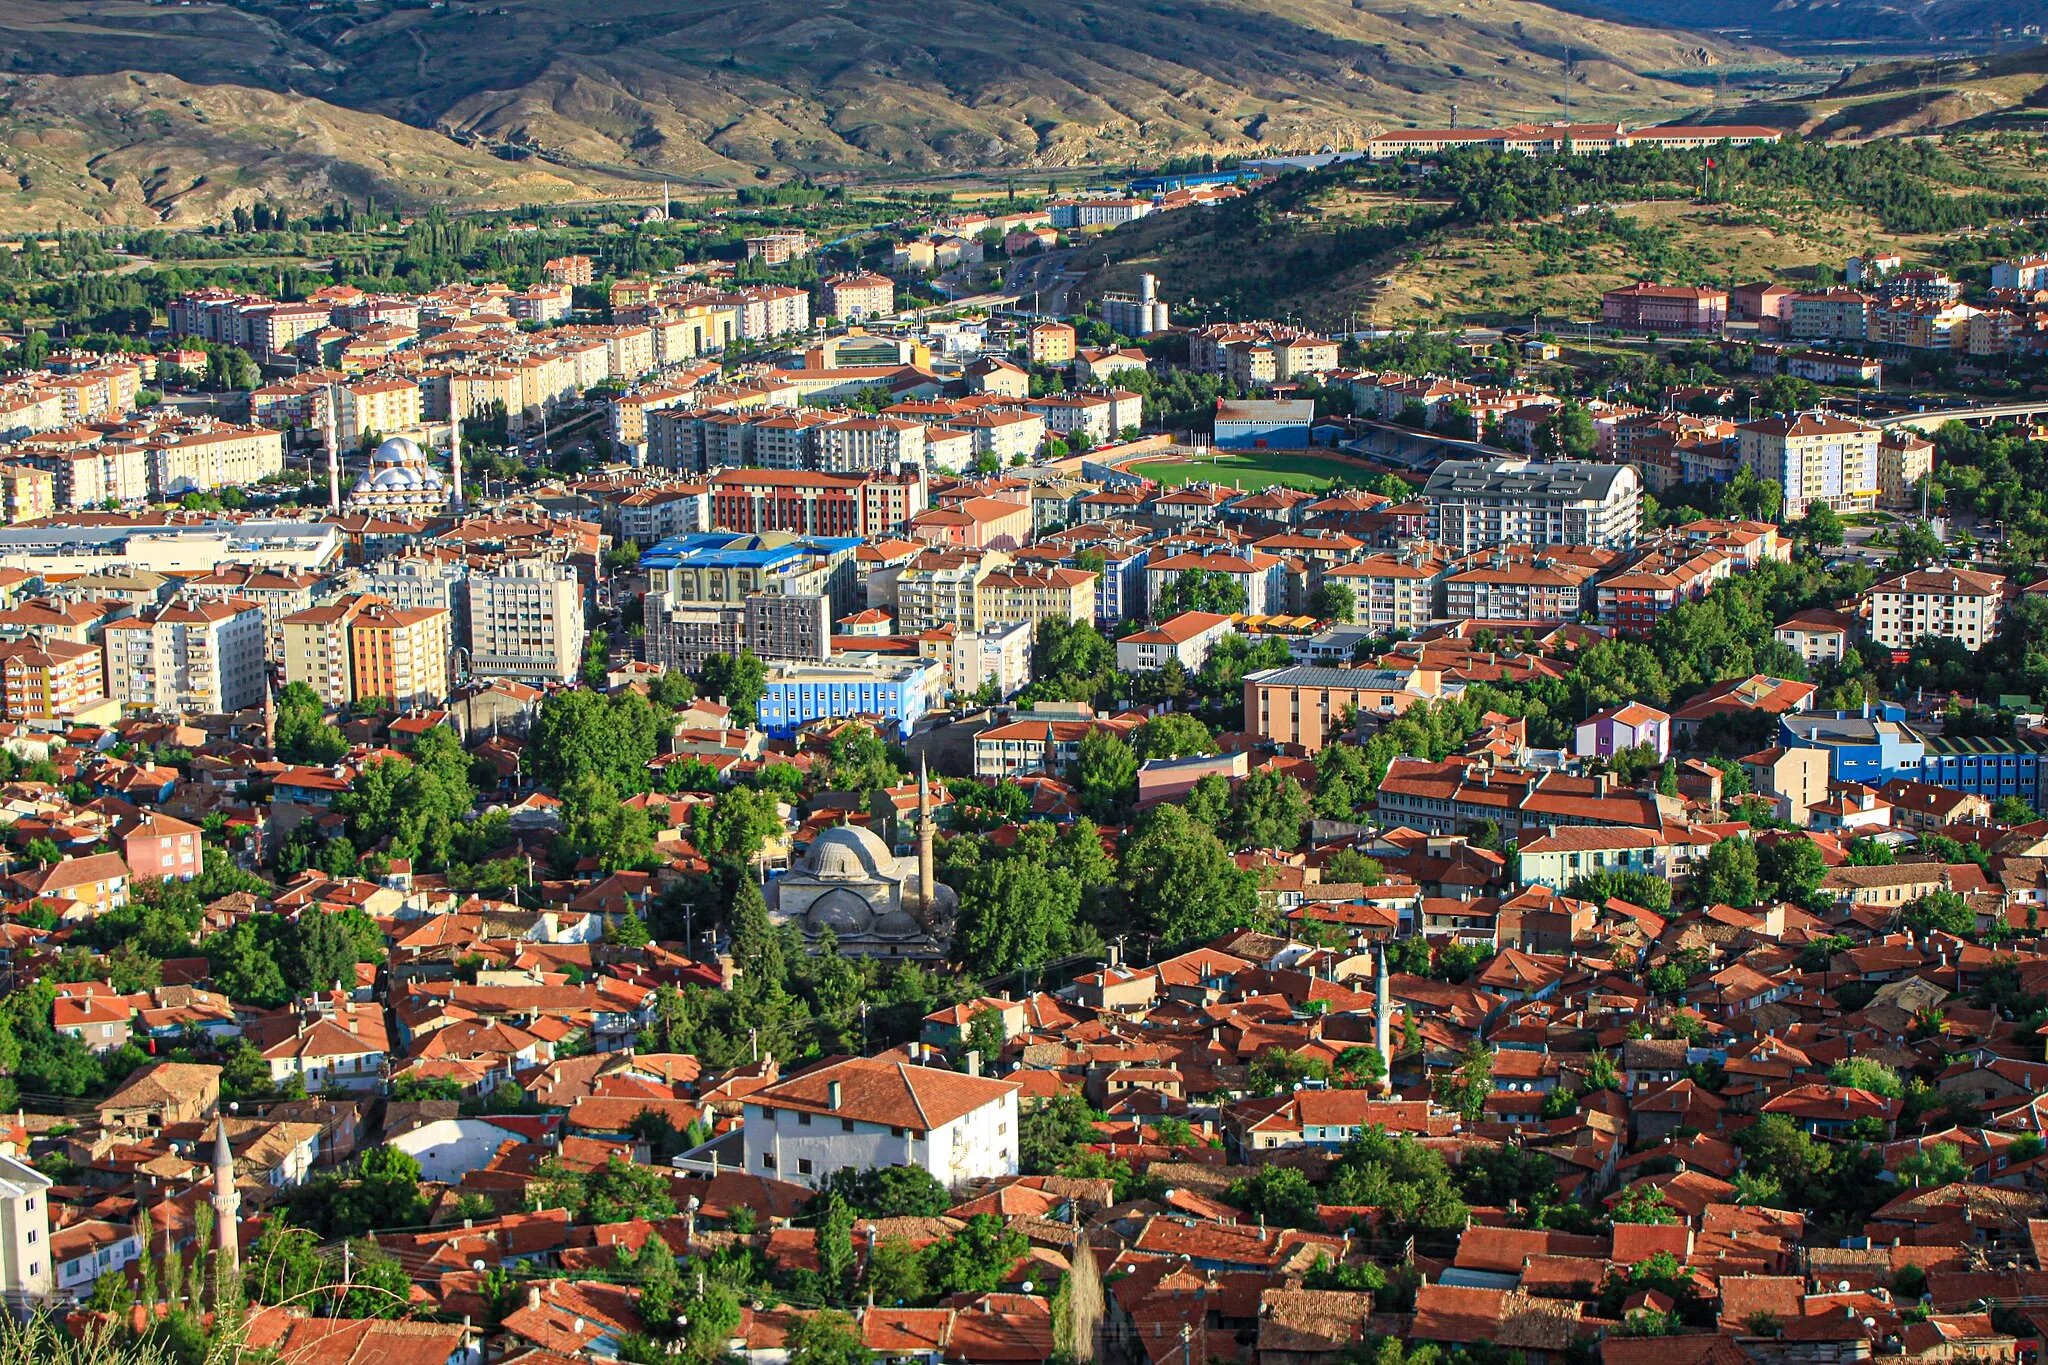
(721, 568)
(1992, 768)
(897, 692)
(1860, 748)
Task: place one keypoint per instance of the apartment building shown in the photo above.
(279, 593)
(216, 455)
(1952, 604)
(1814, 457)
(1916, 324)
(1003, 433)
(316, 649)
(26, 493)
(525, 621)
(1101, 415)
(49, 680)
(1391, 592)
(1518, 583)
(1018, 593)
(188, 656)
(400, 654)
(1476, 504)
(1262, 576)
(857, 444)
(1186, 639)
(1830, 315)
(89, 475)
(856, 297)
(570, 270)
(1050, 343)
(943, 587)
(1307, 705)
(375, 406)
(1904, 458)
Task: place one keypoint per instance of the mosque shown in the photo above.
(399, 479)
(874, 903)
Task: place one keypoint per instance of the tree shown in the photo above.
(1350, 867)
(976, 1259)
(1208, 802)
(1179, 881)
(301, 729)
(1281, 1195)
(284, 1266)
(1333, 602)
(1050, 1133)
(621, 1190)
(1864, 1073)
(378, 1285)
(1567, 434)
(896, 1273)
(1642, 1204)
(1106, 772)
(892, 1191)
(1939, 1163)
(737, 825)
(385, 1193)
(738, 680)
(1794, 865)
(1173, 734)
(1915, 547)
(1207, 590)
(1466, 1088)
(1820, 526)
(858, 761)
(835, 1246)
(1729, 875)
(826, 1338)
(1941, 910)
(580, 734)
(1271, 808)
(1014, 912)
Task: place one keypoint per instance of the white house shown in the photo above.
(25, 1224)
(1188, 637)
(866, 1112)
(445, 1148)
(349, 1050)
(87, 1250)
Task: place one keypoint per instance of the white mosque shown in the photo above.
(399, 479)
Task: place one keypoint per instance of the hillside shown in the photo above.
(1831, 27)
(2005, 90)
(134, 148)
(719, 92)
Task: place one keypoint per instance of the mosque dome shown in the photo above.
(840, 910)
(897, 924)
(397, 450)
(848, 853)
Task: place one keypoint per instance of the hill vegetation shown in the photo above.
(128, 111)
(1493, 237)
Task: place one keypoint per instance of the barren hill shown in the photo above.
(720, 91)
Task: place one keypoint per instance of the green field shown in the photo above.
(1255, 469)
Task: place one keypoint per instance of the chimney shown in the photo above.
(834, 1092)
(973, 1069)
(1600, 786)
(533, 1297)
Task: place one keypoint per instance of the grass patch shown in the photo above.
(1256, 469)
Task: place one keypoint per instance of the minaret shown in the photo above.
(269, 717)
(455, 459)
(333, 455)
(1383, 1016)
(925, 899)
(226, 1202)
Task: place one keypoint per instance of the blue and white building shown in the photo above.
(800, 693)
(1987, 767)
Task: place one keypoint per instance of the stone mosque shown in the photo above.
(874, 903)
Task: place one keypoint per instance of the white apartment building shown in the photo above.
(865, 1113)
(856, 444)
(217, 456)
(25, 1223)
(86, 1250)
(90, 475)
(1953, 604)
(1477, 504)
(187, 656)
(939, 588)
(526, 622)
(1391, 591)
(1815, 457)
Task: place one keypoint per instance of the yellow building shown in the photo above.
(1904, 457)
(1021, 594)
(1051, 343)
(27, 493)
(48, 680)
(1814, 457)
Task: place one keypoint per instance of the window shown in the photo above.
(803, 1165)
(846, 1125)
(767, 1161)
(803, 1119)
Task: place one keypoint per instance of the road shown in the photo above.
(1044, 276)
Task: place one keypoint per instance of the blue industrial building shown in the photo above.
(895, 692)
(1990, 768)
(1161, 184)
(1872, 749)
(1264, 423)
